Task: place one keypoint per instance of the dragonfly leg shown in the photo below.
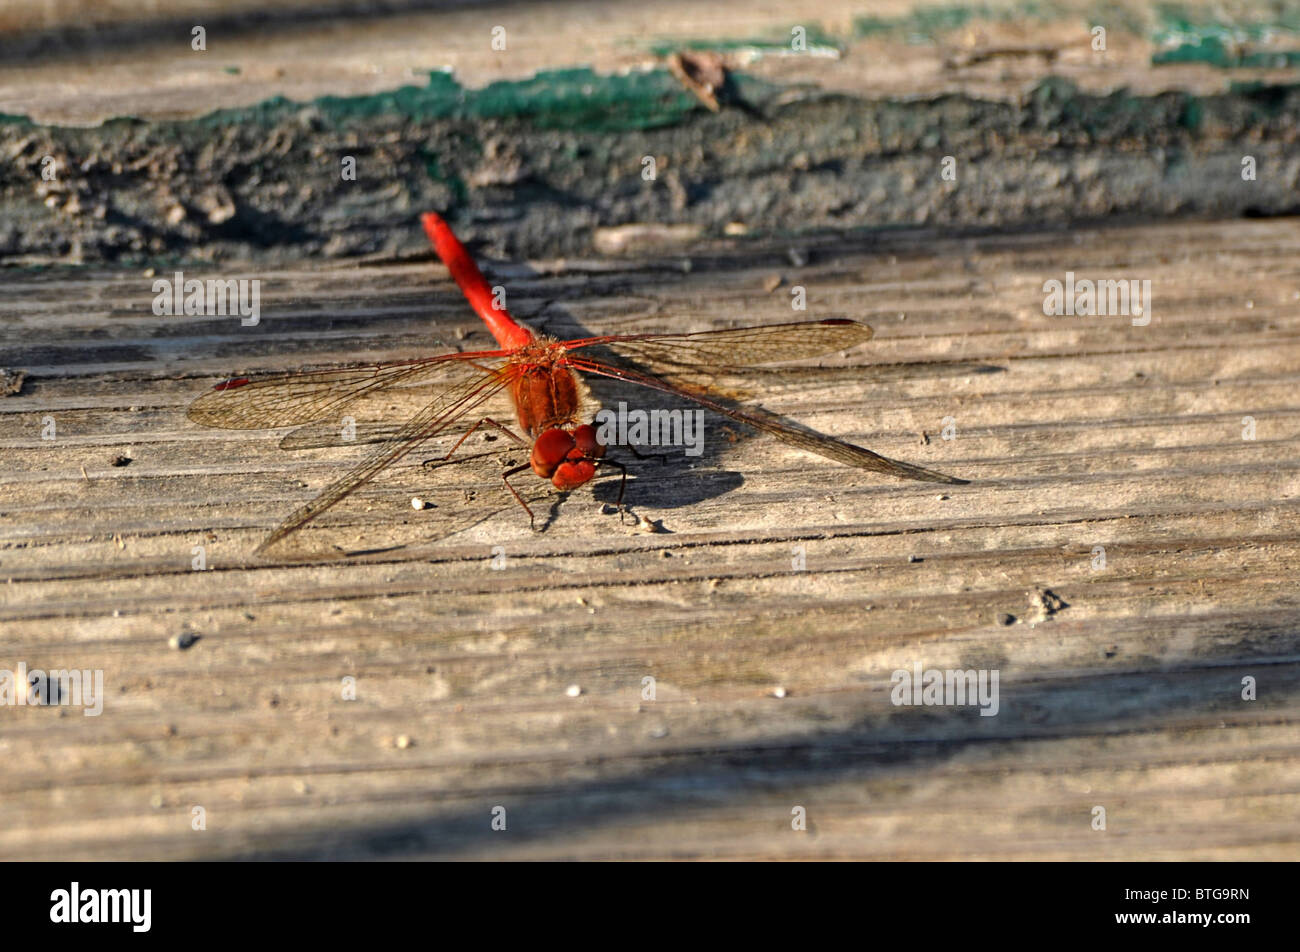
(505, 478)
(489, 421)
(622, 485)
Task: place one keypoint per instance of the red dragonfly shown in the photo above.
(538, 372)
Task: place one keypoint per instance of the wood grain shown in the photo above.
(1076, 432)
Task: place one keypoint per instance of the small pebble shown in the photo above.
(915, 558)
(573, 690)
(120, 461)
(779, 692)
(1006, 619)
(402, 742)
(771, 283)
(183, 640)
(418, 503)
(798, 257)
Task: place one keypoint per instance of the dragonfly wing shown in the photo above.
(451, 405)
(710, 351)
(377, 416)
(804, 439)
(297, 398)
(315, 436)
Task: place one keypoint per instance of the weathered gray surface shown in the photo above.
(1075, 432)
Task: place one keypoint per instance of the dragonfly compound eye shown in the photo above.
(584, 437)
(549, 451)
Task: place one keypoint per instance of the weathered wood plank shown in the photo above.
(1076, 432)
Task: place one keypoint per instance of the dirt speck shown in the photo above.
(182, 641)
(1045, 603)
(11, 382)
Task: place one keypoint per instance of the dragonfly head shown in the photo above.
(567, 457)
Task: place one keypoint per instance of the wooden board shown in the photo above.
(1076, 432)
(78, 62)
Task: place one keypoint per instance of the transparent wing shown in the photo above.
(306, 397)
(375, 417)
(451, 404)
(710, 351)
(316, 436)
(800, 437)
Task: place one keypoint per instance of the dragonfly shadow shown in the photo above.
(657, 482)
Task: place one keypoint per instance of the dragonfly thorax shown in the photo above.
(544, 389)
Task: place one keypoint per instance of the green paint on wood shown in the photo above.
(1263, 37)
(557, 99)
(1241, 35)
(1226, 56)
(926, 24)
